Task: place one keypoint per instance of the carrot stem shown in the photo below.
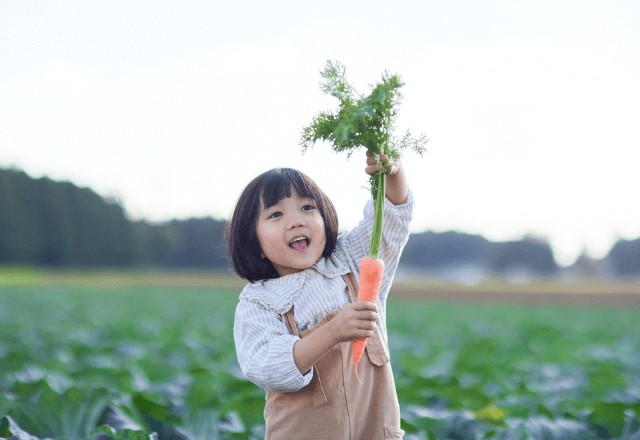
(378, 218)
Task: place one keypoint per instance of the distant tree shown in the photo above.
(191, 243)
(624, 257)
(20, 233)
(153, 244)
(433, 250)
(584, 266)
(195, 242)
(202, 243)
(57, 223)
(102, 232)
(535, 254)
(57, 235)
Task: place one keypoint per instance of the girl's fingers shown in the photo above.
(369, 316)
(373, 167)
(371, 159)
(365, 305)
(392, 168)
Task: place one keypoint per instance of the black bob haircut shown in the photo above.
(267, 190)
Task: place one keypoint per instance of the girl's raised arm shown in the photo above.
(395, 230)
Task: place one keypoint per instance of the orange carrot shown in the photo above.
(371, 270)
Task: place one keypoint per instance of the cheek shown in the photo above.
(322, 231)
(322, 227)
(318, 219)
(261, 236)
(267, 237)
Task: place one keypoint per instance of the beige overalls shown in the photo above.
(335, 405)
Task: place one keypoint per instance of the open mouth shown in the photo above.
(299, 244)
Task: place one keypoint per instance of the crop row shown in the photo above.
(80, 363)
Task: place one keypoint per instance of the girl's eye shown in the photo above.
(275, 214)
(307, 207)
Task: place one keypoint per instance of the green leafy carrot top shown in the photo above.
(366, 122)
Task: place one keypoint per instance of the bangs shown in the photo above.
(278, 184)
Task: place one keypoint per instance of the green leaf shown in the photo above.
(606, 378)
(105, 429)
(367, 122)
(491, 414)
(570, 416)
(408, 427)
(128, 434)
(156, 406)
(608, 419)
(125, 434)
(543, 411)
(10, 429)
(5, 432)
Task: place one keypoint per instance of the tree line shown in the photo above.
(44, 222)
(49, 223)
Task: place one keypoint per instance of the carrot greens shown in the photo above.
(363, 121)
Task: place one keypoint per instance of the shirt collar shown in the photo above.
(278, 294)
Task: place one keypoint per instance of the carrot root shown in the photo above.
(371, 271)
(358, 351)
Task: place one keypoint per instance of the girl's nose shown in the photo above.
(296, 221)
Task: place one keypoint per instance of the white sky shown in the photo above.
(532, 107)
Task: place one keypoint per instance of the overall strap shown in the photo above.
(290, 322)
(376, 347)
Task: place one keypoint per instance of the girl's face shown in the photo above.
(280, 225)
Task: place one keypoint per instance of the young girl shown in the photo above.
(296, 320)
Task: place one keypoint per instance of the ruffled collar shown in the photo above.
(278, 294)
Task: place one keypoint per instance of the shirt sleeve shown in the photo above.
(395, 233)
(265, 350)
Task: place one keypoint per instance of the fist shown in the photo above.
(392, 165)
(355, 321)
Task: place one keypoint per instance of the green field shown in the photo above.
(129, 351)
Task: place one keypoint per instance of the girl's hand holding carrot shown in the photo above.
(373, 166)
(396, 187)
(355, 321)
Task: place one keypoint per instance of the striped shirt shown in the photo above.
(263, 344)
